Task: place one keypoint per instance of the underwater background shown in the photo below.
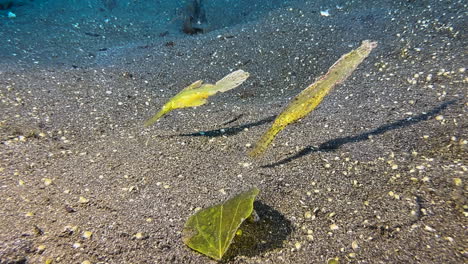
(376, 174)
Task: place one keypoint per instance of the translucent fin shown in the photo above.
(231, 81)
(194, 85)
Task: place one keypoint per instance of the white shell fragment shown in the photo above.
(325, 13)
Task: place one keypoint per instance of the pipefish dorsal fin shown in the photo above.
(194, 85)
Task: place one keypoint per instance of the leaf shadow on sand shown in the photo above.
(229, 131)
(266, 234)
(336, 143)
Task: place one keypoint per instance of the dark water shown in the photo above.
(59, 31)
(87, 32)
(153, 15)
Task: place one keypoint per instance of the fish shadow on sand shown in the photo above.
(336, 143)
(266, 234)
(229, 131)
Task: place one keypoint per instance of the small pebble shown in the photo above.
(297, 245)
(430, 229)
(41, 249)
(457, 181)
(245, 164)
(325, 13)
(449, 239)
(29, 214)
(139, 235)
(83, 200)
(87, 234)
(70, 230)
(47, 181)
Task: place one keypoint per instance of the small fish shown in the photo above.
(197, 93)
(312, 96)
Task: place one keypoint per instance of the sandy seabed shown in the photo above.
(376, 174)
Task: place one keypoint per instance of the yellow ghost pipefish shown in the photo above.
(197, 93)
(310, 98)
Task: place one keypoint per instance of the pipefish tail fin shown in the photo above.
(157, 116)
(178, 101)
(231, 81)
(166, 108)
(298, 108)
(265, 141)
